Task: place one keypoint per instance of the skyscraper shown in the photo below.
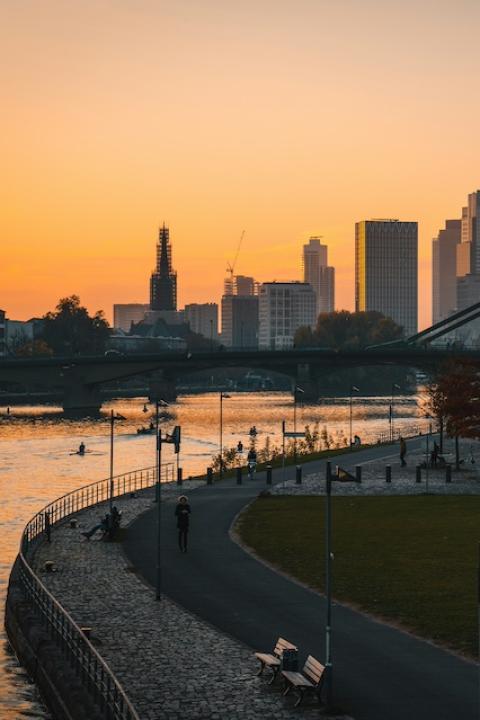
(163, 281)
(386, 270)
(444, 270)
(283, 308)
(240, 312)
(318, 274)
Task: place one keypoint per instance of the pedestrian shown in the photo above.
(403, 451)
(182, 513)
(434, 455)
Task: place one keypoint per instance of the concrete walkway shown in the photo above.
(380, 673)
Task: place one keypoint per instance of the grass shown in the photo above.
(409, 560)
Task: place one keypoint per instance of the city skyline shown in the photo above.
(285, 119)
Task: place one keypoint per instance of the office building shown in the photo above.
(240, 321)
(203, 319)
(2, 333)
(386, 262)
(240, 312)
(163, 281)
(444, 270)
(124, 314)
(283, 308)
(318, 274)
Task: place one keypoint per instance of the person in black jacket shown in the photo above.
(182, 513)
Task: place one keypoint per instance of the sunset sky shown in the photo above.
(284, 118)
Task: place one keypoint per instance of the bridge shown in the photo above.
(79, 378)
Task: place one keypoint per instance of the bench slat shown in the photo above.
(267, 659)
(297, 679)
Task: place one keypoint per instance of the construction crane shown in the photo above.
(231, 268)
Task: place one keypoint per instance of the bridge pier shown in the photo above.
(307, 382)
(162, 387)
(81, 399)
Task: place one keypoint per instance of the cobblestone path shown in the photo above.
(172, 665)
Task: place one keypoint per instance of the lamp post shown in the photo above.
(158, 478)
(427, 451)
(223, 396)
(296, 390)
(113, 417)
(353, 389)
(346, 477)
(392, 434)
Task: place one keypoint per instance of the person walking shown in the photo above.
(403, 451)
(182, 513)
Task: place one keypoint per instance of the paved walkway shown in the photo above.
(380, 672)
(172, 664)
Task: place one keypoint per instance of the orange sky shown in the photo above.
(284, 118)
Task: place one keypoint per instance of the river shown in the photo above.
(38, 464)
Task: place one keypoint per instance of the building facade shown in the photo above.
(444, 270)
(203, 319)
(2, 333)
(386, 270)
(240, 312)
(283, 308)
(124, 314)
(318, 274)
(163, 281)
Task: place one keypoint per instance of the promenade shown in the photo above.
(190, 656)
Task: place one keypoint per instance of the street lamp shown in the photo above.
(392, 434)
(158, 478)
(427, 450)
(353, 389)
(223, 396)
(341, 476)
(296, 390)
(113, 417)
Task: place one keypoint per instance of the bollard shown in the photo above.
(269, 474)
(298, 475)
(73, 523)
(388, 473)
(418, 474)
(49, 566)
(448, 473)
(358, 473)
(179, 476)
(86, 630)
(209, 476)
(239, 475)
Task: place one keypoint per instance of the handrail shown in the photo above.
(89, 496)
(95, 672)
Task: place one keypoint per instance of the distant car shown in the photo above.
(113, 353)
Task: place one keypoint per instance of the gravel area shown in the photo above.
(172, 665)
(403, 480)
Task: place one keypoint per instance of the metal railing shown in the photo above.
(94, 672)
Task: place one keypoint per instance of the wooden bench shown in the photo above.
(309, 680)
(274, 660)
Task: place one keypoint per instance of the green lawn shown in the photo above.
(410, 560)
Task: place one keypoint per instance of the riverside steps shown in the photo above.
(190, 656)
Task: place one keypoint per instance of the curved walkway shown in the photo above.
(379, 672)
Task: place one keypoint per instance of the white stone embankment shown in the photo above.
(172, 665)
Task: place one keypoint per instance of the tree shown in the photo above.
(34, 348)
(70, 330)
(344, 330)
(458, 391)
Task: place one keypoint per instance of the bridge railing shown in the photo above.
(95, 673)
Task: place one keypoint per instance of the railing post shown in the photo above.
(298, 475)
(418, 474)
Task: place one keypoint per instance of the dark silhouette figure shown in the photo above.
(434, 455)
(103, 525)
(182, 513)
(403, 451)
(81, 448)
